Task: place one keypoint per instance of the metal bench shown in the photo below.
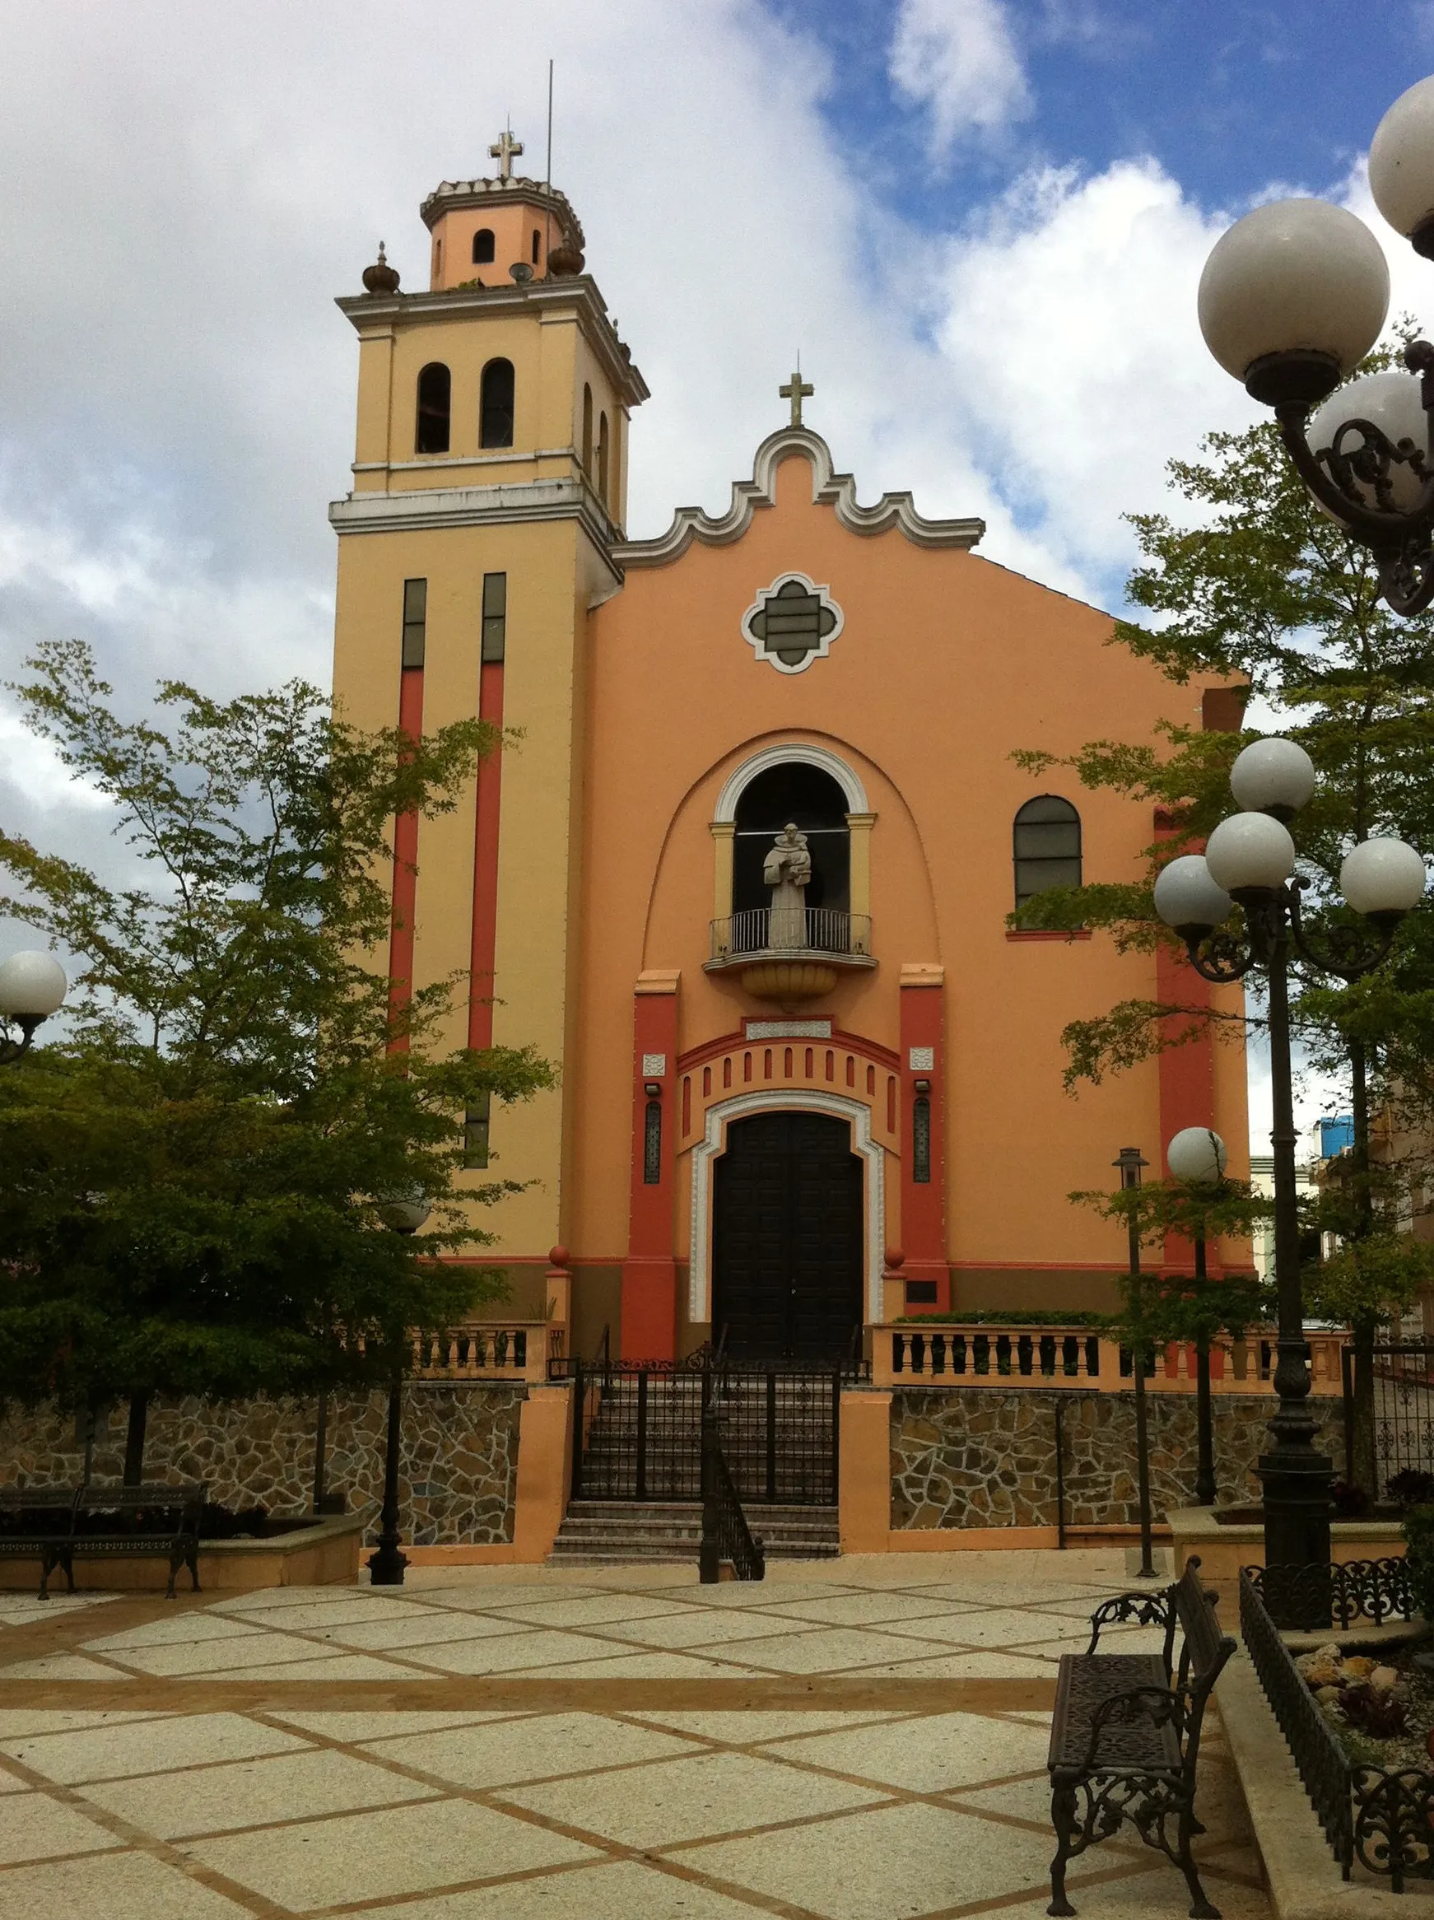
(81, 1522)
(1126, 1735)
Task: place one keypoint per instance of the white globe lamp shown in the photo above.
(1401, 165)
(1186, 897)
(1250, 853)
(1274, 776)
(32, 986)
(1197, 1156)
(1383, 879)
(1390, 402)
(404, 1212)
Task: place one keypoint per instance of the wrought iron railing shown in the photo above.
(725, 1533)
(1310, 1597)
(760, 930)
(1403, 1411)
(1381, 1816)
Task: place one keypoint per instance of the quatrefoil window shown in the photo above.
(791, 623)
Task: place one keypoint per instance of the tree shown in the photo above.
(195, 1177)
(1263, 587)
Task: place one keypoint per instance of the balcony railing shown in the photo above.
(802, 930)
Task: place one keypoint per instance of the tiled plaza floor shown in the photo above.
(861, 1739)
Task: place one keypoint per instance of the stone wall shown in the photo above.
(459, 1459)
(983, 1458)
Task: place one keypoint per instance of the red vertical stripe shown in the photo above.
(485, 867)
(405, 865)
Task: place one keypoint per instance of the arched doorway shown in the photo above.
(787, 1238)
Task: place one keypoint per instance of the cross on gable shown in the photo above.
(505, 150)
(796, 390)
(792, 622)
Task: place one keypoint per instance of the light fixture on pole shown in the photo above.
(405, 1213)
(1292, 298)
(1249, 859)
(1130, 1163)
(1196, 1157)
(32, 987)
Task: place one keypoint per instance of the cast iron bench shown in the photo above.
(81, 1522)
(1126, 1735)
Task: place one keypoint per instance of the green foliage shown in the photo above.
(1417, 1527)
(194, 1176)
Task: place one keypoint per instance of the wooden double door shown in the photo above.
(787, 1239)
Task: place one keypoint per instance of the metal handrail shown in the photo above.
(818, 930)
(725, 1533)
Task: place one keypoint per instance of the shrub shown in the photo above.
(1411, 1488)
(1418, 1530)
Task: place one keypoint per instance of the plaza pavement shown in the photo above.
(861, 1739)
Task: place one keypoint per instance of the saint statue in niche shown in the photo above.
(787, 871)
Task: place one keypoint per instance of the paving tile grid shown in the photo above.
(853, 1740)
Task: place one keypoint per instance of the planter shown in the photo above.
(1223, 1550)
(324, 1553)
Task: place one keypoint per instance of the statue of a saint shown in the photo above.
(787, 870)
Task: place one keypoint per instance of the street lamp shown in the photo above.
(1292, 298)
(32, 987)
(1196, 1157)
(1249, 859)
(1130, 1163)
(405, 1213)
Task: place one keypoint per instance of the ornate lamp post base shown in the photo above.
(386, 1563)
(1296, 1483)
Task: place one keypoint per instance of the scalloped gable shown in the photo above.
(829, 488)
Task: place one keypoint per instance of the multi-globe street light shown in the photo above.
(1197, 1158)
(1291, 299)
(1249, 860)
(32, 987)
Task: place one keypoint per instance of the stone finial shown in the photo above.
(381, 277)
(565, 260)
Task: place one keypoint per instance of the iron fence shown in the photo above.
(796, 929)
(638, 1433)
(1403, 1410)
(1343, 1593)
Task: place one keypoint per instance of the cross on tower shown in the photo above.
(796, 390)
(505, 150)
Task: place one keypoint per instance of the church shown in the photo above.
(742, 868)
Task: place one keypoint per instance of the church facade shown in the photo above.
(743, 866)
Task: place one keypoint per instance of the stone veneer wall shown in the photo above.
(459, 1460)
(983, 1458)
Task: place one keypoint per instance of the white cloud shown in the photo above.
(957, 58)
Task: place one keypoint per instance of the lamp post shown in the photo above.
(1291, 299)
(1129, 1162)
(1196, 1157)
(32, 987)
(1249, 859)
(405, 1213)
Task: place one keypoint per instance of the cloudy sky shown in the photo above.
(981, 223)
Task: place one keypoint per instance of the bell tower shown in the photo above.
(489, 490)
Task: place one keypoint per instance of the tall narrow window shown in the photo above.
(587, 430)
(602, 458)
(495, 419)
(482, 246)
(921, 1140)
(652, 1144)
(415, 621)
(1046, 846)
(475, 1133)
(537, 244)
(495, 618)
(434, 387)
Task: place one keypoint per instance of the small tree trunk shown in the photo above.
(134, 1440)
(1364, 1326)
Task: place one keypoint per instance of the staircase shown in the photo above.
(637, 1491)
(618, 1532)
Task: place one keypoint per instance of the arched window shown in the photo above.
(482, 246)
(602, 458)
(587, 429)
(495, 414)
(537, 244)
(1046, 846)
(811, 798)
(434, 387)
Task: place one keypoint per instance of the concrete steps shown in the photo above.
(621, 1532)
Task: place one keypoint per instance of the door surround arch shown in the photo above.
(711, 1145)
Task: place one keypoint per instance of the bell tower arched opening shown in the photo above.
(796, 792)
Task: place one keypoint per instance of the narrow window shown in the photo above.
(495, 420)
(475, 1133)
(652, 1144)
(483, 246)
(438, 259)
(1046, 846)
(415, 621)
(434, 386)
(495, 618)
(921, 1141)
(602, 458)
(537, 243)
(587, 430)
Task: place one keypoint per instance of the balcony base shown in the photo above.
(786, 980)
